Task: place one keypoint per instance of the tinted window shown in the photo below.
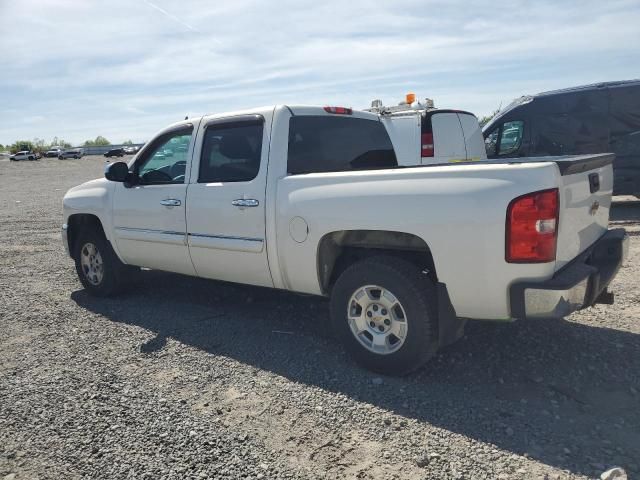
(337, 144)
(490, 142)
(569, 123)
(231, 152)
(625, 124)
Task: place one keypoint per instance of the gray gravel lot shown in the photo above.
(186, 378)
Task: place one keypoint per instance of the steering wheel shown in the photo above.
(178, 170)
(156, 176)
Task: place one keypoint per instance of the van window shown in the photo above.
(511, 137)
(491, 142)
(337, 144)
(625, 125)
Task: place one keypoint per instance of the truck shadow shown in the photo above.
(560, 392)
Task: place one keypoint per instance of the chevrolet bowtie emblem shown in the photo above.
(594, 208)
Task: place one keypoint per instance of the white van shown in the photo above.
(423, 135)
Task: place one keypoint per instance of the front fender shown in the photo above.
(91, 198)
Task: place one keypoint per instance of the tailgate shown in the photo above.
(586, 185)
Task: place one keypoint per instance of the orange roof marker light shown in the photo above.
(410, 98)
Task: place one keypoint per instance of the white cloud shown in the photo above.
(125, 68)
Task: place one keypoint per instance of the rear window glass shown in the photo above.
(338, 144)
(231, 152)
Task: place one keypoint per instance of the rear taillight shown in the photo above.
(338, 110)
(427, 145)
(532, 228)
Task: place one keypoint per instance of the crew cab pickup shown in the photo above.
(23, 155)
(312, 200)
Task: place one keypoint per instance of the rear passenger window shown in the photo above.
(338, 144)
(231, 152)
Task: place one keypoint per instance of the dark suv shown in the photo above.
(115, 152)
(599, 118)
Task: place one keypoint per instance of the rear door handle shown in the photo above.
(170, 202)
(245, 202)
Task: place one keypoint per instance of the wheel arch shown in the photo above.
(339, 249)
(78, 222)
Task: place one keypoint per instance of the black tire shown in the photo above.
(418, 296)
(113, 270)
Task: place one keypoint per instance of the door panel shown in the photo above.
(149, 215)
(473, 137)
(226, 200)
(149, 234)
(234, 244)
(405, 137)
(448, 141)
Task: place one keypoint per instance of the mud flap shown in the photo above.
(450, 327)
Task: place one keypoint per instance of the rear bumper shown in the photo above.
(580, 284)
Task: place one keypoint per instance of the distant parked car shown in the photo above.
(115, 152)
(23, 155)
(72, 153)
(53, 152)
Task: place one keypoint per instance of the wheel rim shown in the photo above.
(91, 262)
(377, 319)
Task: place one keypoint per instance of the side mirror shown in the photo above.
(117, 172)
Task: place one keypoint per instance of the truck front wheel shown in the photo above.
(99, 269)
(384, 310)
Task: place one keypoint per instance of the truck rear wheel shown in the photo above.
(384, 310)
(99, 269)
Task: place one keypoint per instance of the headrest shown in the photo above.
(236, 147)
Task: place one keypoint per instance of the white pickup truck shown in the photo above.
(312, 199)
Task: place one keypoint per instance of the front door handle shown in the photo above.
(245, 202)
(170, 202)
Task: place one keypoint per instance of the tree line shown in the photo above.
(39, 145)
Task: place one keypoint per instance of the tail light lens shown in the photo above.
(532, 228)
(338, 110)
(427, 145)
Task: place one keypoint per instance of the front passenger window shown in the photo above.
(166, 160)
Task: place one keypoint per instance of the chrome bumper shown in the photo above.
(65, 238)
(580, 284)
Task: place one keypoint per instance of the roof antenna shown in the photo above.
(187, 117)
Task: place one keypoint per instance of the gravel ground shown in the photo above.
(186, 378)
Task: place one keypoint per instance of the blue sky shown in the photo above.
(126, 68)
